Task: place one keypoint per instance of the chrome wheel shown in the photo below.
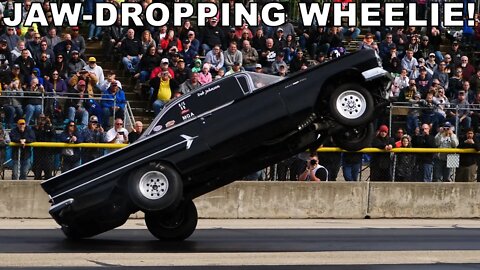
(351, 104)
(153, 185)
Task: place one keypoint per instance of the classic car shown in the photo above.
(213, 136)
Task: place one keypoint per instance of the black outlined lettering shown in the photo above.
(279, 16)
(131, 11)
(36, 15)
(149, 14)
(205, 11)
(17, 16)
(393, 10)
(369, 10)
(453, 14)
(182, 11)
(102, 10)
(65, 12)
(317, 12)
(349, 13)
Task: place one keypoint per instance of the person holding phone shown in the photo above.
(118, 133)
(314, 171)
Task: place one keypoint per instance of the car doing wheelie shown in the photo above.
(214, 135)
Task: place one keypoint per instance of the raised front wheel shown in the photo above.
(352, 105)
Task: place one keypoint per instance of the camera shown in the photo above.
(120, 133)
(313, 162)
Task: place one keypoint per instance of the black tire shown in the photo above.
(355, 139)
(175, 225)
(155, 187)
(352, 105)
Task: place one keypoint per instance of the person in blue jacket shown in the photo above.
(113, 104)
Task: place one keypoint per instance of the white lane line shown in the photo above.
(235, 259)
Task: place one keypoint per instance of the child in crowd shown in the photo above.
(205, 76)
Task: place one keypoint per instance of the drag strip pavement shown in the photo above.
(305, 244)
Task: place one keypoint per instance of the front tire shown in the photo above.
(155, 187)
(175, 225)
(352, 105)
(354, 139)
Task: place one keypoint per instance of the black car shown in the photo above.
(214, 135)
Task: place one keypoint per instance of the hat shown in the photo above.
(280, 54)
(455, 42)
(258, 66)
(21, 121)
(383, 128)
(425, 38)
(423, 69)
(4, 41)
(279, 29)
(186, 41)
(75, 28)
(75, 52)
(81, 82)
(236, 63)
(447, 124)
(93, 118)
(164, 61)
(180, 60)
(431, 54)
(16, 66)
(92, 59)
(190, 33)
(232, 30)
(115, 82)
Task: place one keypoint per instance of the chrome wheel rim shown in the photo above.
(351, 104)
(153, 185)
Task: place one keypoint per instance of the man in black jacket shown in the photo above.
(468, 162)
(380, 162)
(131, 49)
(21, 134)
(212, 35)
(423, 139)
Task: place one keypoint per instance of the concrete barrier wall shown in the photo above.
(26, 199)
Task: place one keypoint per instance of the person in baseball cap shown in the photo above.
(383, 128)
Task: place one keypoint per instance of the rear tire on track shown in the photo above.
(176, 225)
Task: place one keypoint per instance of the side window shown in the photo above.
(242, 80)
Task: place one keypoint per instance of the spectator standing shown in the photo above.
(460, 113)
(23, 135)
(467, 171)
(137, 131)
(4, 141)
(445, 138)
(424, 139)
(70, 156)
(351, 166)
(94, 133)
(14, 108)
(43, 157)
(404, 162)
(380, 163)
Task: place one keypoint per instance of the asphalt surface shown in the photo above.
(313, 245)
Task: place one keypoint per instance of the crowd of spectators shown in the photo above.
(442, 87)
